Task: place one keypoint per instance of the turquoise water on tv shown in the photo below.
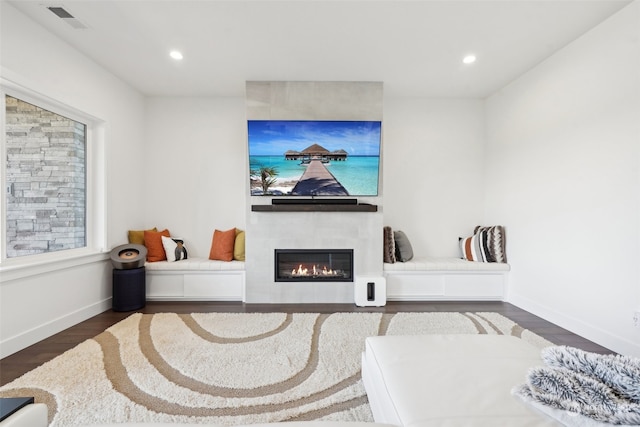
(358, 174)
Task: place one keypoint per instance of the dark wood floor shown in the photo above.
(17, 364)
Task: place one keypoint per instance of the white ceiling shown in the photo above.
(414, 47)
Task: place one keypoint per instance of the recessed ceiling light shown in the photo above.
(469, 59)
(176, 55)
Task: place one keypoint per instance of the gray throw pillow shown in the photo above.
(404, 251)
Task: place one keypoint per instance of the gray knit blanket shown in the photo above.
(602, 387)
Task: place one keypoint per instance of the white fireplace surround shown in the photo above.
(267, 231)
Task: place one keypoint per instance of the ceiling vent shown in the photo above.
(63, 14)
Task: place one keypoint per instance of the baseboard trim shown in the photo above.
(590, 332)
(45, 330)
(406, 297)
(234, 298)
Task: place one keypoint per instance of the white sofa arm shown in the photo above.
(33, 415)
(276, 424)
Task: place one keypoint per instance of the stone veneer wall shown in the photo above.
(45, 176)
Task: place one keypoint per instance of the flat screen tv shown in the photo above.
(314, 158)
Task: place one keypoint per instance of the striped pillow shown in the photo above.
(470, 248)
(486, 245)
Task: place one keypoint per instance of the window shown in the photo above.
(45, 179)
(52, 179)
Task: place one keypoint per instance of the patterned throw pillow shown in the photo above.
(486, 245)
(494, 241)
(470, 248)
(174, 249)
(389, 245)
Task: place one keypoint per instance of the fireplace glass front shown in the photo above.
(313, 265)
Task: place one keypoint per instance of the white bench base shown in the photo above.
(446, 279)
(195, 279)
(423, 279)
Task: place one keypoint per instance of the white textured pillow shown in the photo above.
(170, 247)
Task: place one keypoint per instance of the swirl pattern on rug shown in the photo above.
(230, 368)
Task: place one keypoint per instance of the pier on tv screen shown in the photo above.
(314, 158)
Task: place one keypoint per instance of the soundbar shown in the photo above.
(296, 201)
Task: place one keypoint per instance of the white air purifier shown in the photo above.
(370, 291)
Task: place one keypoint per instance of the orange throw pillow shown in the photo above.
(153, 242)
(222, 245)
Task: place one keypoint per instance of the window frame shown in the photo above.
(95, 197)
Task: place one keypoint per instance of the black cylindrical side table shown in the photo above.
(129, 289)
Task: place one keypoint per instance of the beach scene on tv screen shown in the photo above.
(314, 158)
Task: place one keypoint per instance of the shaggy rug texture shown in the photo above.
(230, 368)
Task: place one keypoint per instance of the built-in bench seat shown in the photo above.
(428, 278)
(421, 279)
(195, 279)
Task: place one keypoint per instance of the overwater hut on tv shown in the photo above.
(316, 152)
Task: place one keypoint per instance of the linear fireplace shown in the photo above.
(313, 265)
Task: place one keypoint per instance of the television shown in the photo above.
(314, 157)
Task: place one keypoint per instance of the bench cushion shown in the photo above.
(445, 264)
(192, 264)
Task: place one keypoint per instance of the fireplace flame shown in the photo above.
(315, 271)
(301, 271)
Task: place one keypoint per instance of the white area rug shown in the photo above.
(230, 368)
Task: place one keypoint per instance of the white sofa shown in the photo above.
(195, 279)
(450, 381)
(433, 279)
(282, 424)
(32, 415)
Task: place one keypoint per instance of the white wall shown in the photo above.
(38, 301)
(432, 167)
(433, 171)
(562, 173)
(196, 168)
